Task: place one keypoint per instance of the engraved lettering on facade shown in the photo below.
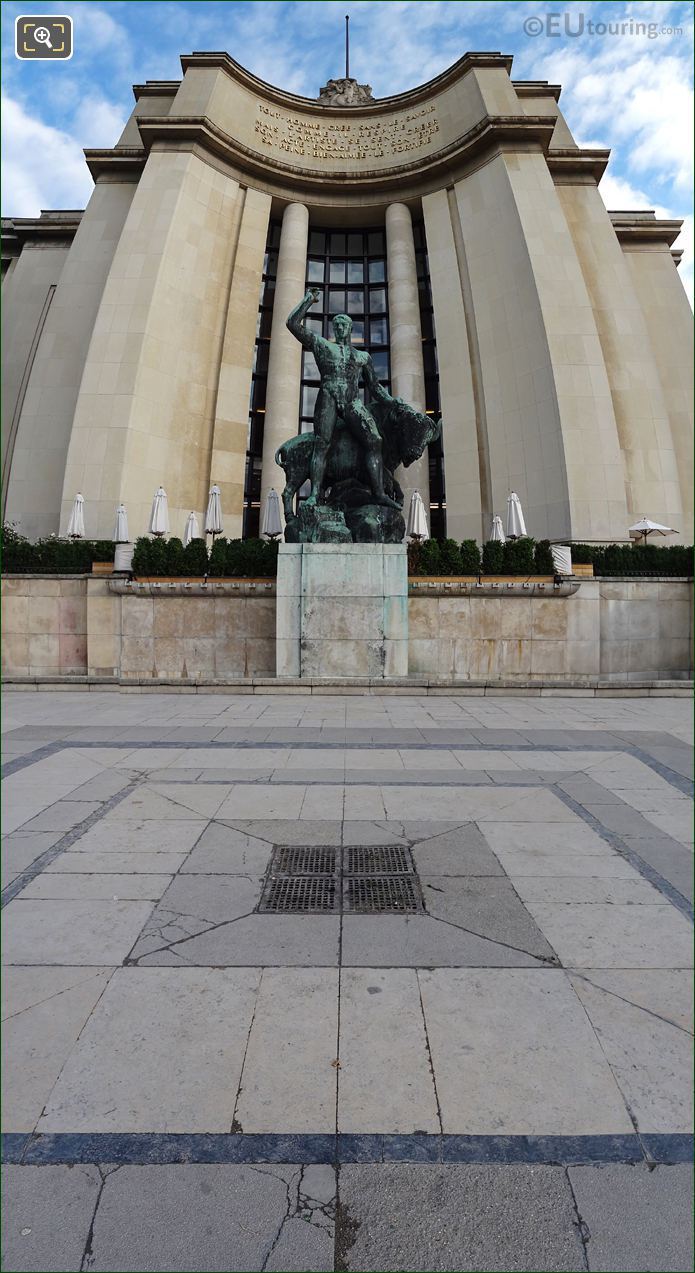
(336, 139)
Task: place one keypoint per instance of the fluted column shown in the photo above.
(407, 371)
(285, 361)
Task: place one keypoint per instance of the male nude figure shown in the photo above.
(341, 366)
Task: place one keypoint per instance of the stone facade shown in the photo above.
(613, 631)
(562, 331)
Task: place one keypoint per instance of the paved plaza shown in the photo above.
(201, 1075)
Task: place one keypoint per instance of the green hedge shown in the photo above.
(51, 556)
(643, 559)
(228, 558)
(526, 557)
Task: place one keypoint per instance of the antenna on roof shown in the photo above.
(347, 46)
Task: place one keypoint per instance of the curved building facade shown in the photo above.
(459, 225)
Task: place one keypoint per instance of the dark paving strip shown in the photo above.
(75, 833)
(162, 1148)
(645, 870)
(30, 758)
(679, 781)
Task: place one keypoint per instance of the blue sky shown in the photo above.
(632, 91)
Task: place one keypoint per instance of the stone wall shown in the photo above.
(44, 625)
(612, 630)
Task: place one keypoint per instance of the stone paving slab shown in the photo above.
(43, 1012)
(513, 1015)
(394, 1217)
(536, 1017)
(635, 1218)
(149, 1024)
(47, 1214)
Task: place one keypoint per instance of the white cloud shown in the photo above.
(43, 167)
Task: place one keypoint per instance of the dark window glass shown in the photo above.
(258, 389)
(309, 395)
(270, 265)
(421, 265)
(418, 235)
(317, 242)
(358, 333)
(355, 244)
(269, 292)
(355, 272)
(377, 300)
(378, 331)
(430, 359)
(318, 307)
(375, 242)
(310, 371)
(255, 442)
(314, 325)
(315, 271)
(260, 362)
(337, 244)
(355, 302)
(380, 359)
(427, 324)
(264, 324)
(337, 272)
(377, 271)
(336, 302)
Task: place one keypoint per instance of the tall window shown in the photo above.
(350, 271)
(432, 402)
(254, 441)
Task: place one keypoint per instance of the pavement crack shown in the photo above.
(551, 961)
(579, 1221)
(236, 1125)
(631, 1003)
(429, 1052)
(283, 1222)
(56, 995)
(87, 1260)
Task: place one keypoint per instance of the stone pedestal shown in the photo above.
(342, 610)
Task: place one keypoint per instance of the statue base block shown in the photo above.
(342, 610)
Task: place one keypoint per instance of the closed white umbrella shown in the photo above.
(272, 520)
(417, 518)
(76, 523)
(159, 517)
(120, 528)
(191, 531)
(497, 533)
(516, 526)
(213, 516)
(646, 527)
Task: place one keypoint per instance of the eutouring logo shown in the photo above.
(575, 25)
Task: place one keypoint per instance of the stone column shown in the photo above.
(285, 362)
(407, 372)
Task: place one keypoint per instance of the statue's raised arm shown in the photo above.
(296, 323)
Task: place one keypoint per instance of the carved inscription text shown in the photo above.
(340, 139)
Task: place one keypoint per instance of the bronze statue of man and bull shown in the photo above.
(351, 456)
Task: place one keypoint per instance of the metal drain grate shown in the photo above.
(305, 860)
(299, 895)
(378, 893)
(367, 860)
(316, 879)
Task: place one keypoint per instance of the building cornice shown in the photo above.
(639, 228)
(571, 164)
(50, 227)
(398, 101)
(163, 132)
(156, 88)
(537, 88)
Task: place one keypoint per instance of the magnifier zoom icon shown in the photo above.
(43, 36)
